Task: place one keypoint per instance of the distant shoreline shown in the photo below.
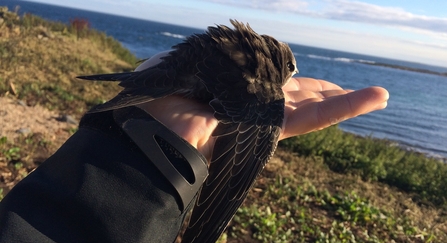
(419, 70)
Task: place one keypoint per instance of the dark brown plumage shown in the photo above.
(240, 74)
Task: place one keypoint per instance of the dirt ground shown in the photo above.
(35, 132)
(17, 119)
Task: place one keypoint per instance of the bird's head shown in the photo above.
(261, 55)
(282, 59)
(266, 63)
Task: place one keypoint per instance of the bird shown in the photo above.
(240, 74)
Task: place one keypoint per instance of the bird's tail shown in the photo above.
(108, 76)
(130, 96)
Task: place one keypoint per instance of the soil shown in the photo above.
(38, 133)
(18, 119)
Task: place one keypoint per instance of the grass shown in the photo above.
(326, 186)
(376, 160)
(298, 199)
(44, 58)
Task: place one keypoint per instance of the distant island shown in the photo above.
(419, 70)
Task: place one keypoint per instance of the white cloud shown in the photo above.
(374, 14)
(347, 10)
(274, 5)
(429, 50)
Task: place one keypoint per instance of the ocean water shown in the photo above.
(416, 116)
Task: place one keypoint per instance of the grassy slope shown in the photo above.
(297, 199)
(41, 60)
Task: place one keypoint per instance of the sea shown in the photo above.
(416, 116)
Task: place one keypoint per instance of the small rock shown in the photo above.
(43, 33)
(23, 131)
(47, 34)
(67, 118)
(22, 103)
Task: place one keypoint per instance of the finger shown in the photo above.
(323, 113)
(300, 97)
(310, 84)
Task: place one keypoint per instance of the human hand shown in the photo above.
(313, 104)
(310, 105)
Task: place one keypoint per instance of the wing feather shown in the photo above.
(234, 169)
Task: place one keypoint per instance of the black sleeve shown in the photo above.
(98, 187)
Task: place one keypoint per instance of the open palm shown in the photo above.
(310, 105)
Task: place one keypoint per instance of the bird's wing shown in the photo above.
(246, 138)
(174, 74)
(240, 153)
(139, 87)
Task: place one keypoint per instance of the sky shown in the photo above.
(410, 30)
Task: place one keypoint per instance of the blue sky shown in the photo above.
(412, 30)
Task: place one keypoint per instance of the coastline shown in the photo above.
(402, 145)
(419, 70)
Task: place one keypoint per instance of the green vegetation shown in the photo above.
(376, 160)
(347, 217)
(326, 186)
(40, 61)
(80, 28)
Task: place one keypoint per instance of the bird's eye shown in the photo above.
(290, 66)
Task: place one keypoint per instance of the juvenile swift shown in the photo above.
(239, 73)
